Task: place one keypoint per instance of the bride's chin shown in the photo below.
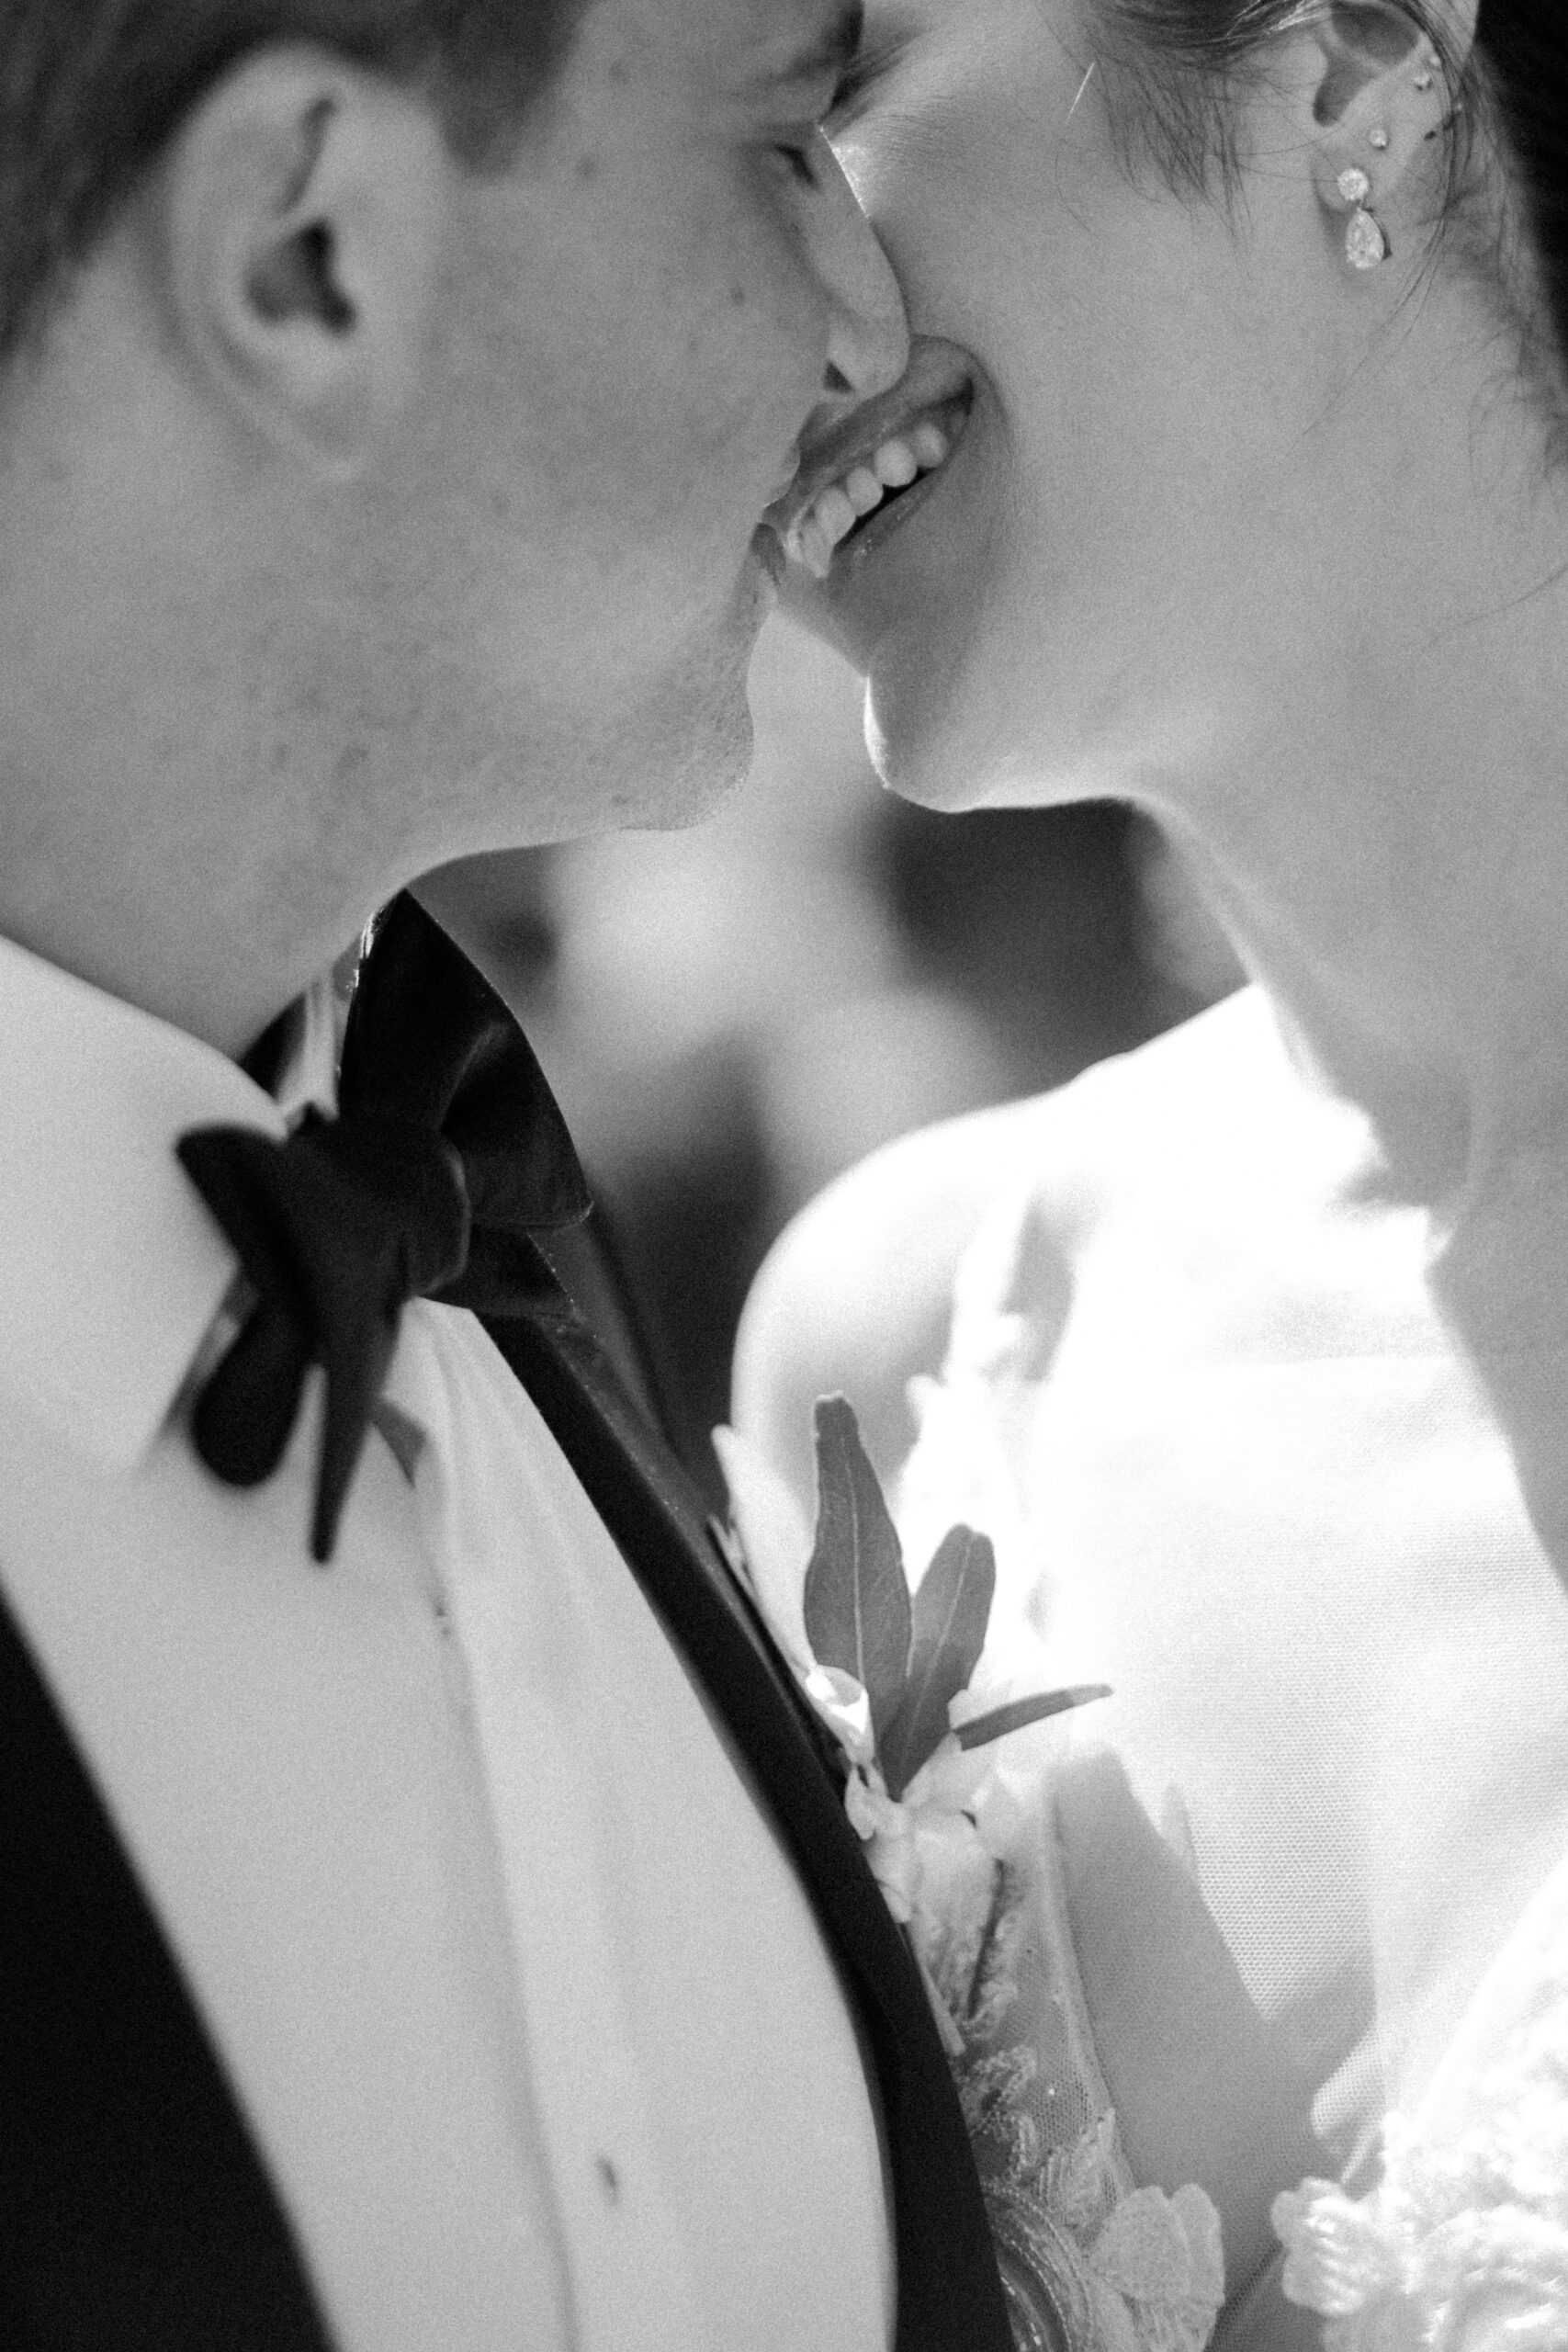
(918, 767)
(934, 740)
(1015, 722)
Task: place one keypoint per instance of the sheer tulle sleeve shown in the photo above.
(1463, 2248)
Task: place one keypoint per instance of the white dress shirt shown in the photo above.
(525, 2008)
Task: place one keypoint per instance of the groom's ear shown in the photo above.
(299, 222)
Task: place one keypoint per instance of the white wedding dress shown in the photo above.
(1196, 1390)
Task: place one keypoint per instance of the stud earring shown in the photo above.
(1379, 140)
(1365, 244)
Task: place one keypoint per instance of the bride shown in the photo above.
(1226, 477)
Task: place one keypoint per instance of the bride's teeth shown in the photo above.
(862, 490)
(835, 516)
(895, 464)
(836, 510)
(813, 546)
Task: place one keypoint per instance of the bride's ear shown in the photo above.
(1378, 97)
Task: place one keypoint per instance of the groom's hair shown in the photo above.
(91, 90)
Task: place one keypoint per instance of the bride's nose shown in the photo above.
(868, 341)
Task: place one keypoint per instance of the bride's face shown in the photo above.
(1132, 386)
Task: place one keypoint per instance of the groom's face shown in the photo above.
(649, 306)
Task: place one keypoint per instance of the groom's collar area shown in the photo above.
(111, 1271)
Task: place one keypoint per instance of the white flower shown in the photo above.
(924, 1852)
(951, 1778)
(1338, 2257)
(1165, 2252)
(845, 1706)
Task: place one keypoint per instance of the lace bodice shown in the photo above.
(1464, 2246)
(1090, 2262)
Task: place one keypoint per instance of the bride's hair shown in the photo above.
(1186, 58)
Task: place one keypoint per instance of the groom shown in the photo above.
(425, 1923)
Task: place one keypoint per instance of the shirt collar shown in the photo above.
(111, 1269)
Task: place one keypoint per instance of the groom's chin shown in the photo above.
(679, 745)
(713, 773)
(690, 756)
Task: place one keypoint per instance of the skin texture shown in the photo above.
(361, 513)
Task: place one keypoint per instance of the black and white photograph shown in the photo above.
(783, 1176)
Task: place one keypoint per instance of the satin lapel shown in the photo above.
(950, 2296)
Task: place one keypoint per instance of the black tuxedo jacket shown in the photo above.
(135, 2212)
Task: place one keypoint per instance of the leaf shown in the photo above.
(857, 1603)
(952, 1608)
(1020, 1712)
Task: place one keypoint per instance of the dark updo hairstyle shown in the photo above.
(92, 90)
(1187, 57)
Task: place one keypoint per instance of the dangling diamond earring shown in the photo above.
(1365, 244)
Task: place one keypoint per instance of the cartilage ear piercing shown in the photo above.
(1378, 138)
(1365, 244)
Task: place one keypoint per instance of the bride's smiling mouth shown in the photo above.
(862, 481)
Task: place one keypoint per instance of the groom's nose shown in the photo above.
(868, 341)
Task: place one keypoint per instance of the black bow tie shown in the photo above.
(447, 1152)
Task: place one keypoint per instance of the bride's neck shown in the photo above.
(1400, 887)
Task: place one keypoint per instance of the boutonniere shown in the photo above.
(901, 1677)
(889, 1671)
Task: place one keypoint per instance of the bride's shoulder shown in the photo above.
(858, 1294)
